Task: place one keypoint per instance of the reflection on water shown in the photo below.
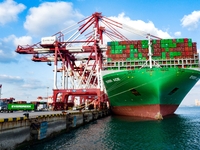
(175, 132)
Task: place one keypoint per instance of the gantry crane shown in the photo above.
(78, 59)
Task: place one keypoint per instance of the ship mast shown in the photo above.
(0, 90)
(150, 52)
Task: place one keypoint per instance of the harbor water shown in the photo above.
(180, 131)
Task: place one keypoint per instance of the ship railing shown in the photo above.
(132, 64)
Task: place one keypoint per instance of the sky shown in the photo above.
(25, 22)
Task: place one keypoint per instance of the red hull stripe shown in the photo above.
(147, 111)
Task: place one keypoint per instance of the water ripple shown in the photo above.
(177, 132)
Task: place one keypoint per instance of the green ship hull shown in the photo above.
(145, 92)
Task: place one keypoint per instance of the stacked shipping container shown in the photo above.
(161, 49)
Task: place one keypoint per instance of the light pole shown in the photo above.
(47, 92)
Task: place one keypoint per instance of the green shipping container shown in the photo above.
(133, 50)
(144, 42)
(123, 46)
(179, 40)
(144, 45)
(131, 46)
(112, 43)
(154, 41)
(116, 51)
(172, 45)
(189, 44)
(164, 55)
(139, 55)
(164, 45)
(131, 55)
(109, 59)
(116, 43)
(189, 40)
(20, 106)
(167, 49)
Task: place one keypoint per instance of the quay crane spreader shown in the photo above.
(79, 59)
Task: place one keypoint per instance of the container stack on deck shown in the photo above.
(161, 49)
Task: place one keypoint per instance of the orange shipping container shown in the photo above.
(107, 52)
(186, 49)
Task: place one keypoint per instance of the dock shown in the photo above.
(19, 129)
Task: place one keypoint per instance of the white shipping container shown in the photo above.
(48, 40)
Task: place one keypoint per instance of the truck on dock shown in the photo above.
(10, 106)
(4, 104)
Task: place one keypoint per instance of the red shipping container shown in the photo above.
(135, 42)
(158, 41)
(174, 41)
(185, 40)
(136, 55)
(107, 52)
(145, 54)
(156, 54)
(139, 46)
(127, 46)
(135, 45)
(194, 44)
(194, 47)
(189, 48)
(126, 51)
(178, 44)
(146, 50)
(187, 53)
(140, 50)
(191, 53)
(183, 53)
(162, 49)
(156, 45)
(139, 42)
(186, 44)
(124, 55)
(123, 42)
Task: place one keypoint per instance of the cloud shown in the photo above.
(8, 46)
(9, 10)
(191, 21)
(24, 83)
(140, 27)
(24, 40)
(11, 79)
(178, 33)
(33, 84)
(51, 17)
(6, 50)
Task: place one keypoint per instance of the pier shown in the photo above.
(19, 129)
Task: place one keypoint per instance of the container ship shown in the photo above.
(149, 78)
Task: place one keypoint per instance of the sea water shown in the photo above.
(176, 132)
